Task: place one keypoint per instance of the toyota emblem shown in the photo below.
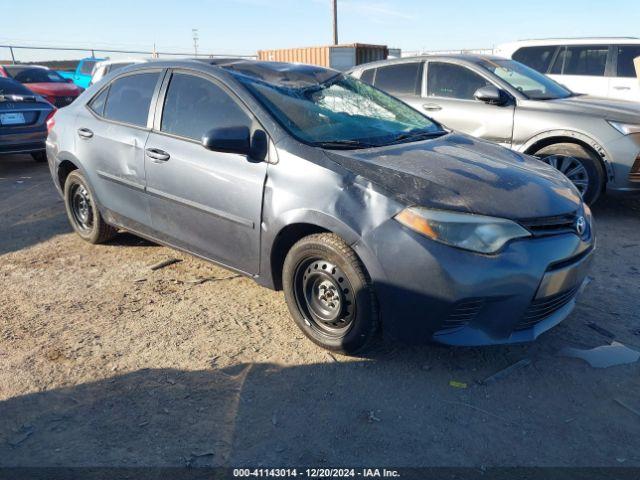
(581, 225)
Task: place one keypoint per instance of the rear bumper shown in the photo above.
(427, 290)
(23, 142)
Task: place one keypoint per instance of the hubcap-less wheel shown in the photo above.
(81, 207)
(324, 296)
(572, 168)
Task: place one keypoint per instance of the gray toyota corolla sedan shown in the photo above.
(367, 213)
(595, 142)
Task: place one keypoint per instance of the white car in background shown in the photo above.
(602, 67)
(102, 69)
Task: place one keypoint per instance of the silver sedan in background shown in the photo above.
(594, 141)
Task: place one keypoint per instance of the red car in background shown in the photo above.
(45, 82)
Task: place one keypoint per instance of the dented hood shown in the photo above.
(457, 172)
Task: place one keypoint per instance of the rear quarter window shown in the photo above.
(129, 98)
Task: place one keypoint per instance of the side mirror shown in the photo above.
(228, 140)
(68, 80)
(492, 95)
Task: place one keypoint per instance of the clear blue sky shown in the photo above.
(244, 26)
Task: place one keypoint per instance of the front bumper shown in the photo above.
(624, 159)
(427, 290)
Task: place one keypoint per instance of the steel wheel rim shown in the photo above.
(81, 207)
(324, 296)
(572, 168)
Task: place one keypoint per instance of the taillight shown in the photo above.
(51, 121)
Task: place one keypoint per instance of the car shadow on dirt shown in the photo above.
(403, 407)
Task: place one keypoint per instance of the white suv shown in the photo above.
(603, 67)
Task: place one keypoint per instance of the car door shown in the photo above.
(206, 202)
(110, 137)
(449, 99)
(624, 82)
(582, 69)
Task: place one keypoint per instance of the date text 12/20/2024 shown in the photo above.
(315, 473)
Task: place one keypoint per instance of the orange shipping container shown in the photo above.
(340, 57)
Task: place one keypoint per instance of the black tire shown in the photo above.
(562, 154)
(329, 293)
(39, 157)
(83, 212)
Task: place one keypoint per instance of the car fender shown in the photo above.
(570, 134)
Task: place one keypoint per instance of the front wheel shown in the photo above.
(83, 212)
(581, 166)
(329, 293)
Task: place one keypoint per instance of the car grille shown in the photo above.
(63, 101)
(545, 307)
(463, 312)
(545, 226)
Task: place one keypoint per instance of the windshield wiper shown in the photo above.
(415, 136)
(343, 144)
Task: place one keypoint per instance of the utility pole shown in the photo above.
(335, 21)
(194, 32)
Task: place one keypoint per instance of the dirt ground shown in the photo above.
(104, 362)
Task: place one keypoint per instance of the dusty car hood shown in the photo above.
(606, 108)
(457, 172)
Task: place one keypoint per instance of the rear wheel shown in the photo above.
(580, 165)
(329, 293)
(83, 212)
(39, 156)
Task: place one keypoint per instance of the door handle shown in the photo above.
(157, 154)
(431, 107)
(621, 88)
(85, 133)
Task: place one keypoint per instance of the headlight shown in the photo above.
(625, 128)
(470, 232)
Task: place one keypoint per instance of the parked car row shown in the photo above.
(30, 94)
(43, 81)
(594, 141)
(365, 211)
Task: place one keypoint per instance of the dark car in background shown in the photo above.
(23, 120)
(46, 82)
(363, 210)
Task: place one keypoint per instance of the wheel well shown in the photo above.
(545, 142)
(285, 239)
(64, 169)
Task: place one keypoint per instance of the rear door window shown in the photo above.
(538, 58)
(587, 60)
(194, 105)
(400, 79)
(626, 54)
(449, 80)
(130, 97)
